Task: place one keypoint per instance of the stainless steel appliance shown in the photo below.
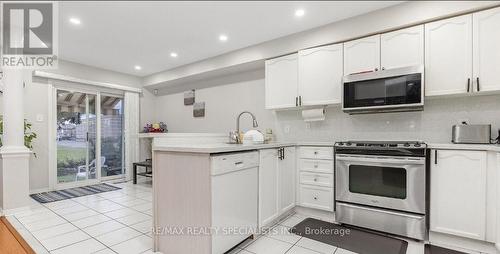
(471, 134)
(399, 89)
(382, 186)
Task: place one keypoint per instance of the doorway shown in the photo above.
(89, 138)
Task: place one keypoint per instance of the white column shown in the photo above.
(14, 172)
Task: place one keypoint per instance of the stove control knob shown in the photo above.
(417, 145)
(407, 144)
(348, 144)
(340, 143)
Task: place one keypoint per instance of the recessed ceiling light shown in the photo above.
(223, 37)
(173, 54)
(299, 13)
(137, 67)
(75, 21)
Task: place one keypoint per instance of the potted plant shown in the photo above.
(29, 135)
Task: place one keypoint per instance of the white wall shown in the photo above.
(222, 106)
(223, 103)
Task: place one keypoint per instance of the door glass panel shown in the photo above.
(378, 181)
(73, 127)
(111, 136)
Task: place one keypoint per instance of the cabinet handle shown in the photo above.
(315, 198)
(300, 100)
(376, 69)
(383, 68)
(468, 85)
(282, 153)
(315, 179)
(296, 101)
(315, 152)
(436, 157)
(477, 79)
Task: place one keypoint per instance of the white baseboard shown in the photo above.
(315, 213)
(462, 244)
(35, 191)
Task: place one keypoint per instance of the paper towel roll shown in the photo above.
(311, 115)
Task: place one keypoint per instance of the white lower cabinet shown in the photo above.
(458, 193)
(286, 175)
(316, 180)
(276, 183)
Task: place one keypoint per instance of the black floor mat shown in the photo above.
(350, 239)
(432, 249)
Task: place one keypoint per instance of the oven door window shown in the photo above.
(387, 182)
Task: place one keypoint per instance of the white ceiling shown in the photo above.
(119, 35)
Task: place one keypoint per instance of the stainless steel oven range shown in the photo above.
(382, 186)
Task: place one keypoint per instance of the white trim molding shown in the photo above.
(48, 75)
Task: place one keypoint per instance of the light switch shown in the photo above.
(39, 118)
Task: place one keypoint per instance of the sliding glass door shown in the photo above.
(112, 151)
(76, 137)
(90, 140)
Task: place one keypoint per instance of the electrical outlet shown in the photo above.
(287, 129)
(39, 118)
(308, 126)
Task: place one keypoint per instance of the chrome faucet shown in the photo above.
(236, 137)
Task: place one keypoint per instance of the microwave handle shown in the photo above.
(419, 161)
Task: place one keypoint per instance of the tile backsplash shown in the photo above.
(431, 125)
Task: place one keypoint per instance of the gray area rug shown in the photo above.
(348, 238)
(52, 196)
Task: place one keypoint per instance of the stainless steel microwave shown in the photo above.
(393, 90)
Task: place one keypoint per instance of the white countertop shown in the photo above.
(476, 147)
(216, 147)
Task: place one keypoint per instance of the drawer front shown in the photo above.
(398, 223)
(316, 152)
(320, 166)
(316, 197)
(317, 179)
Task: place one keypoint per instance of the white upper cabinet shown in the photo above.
(320, 75)
(402, 48)
(486, 50)
(281, 82)
(362, 55)
(458, 193)
(448, 56)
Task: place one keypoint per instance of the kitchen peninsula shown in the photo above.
(206, 192)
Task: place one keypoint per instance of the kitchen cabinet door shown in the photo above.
(287, 172)
(448, 56)
(402, 48)
(320, 75)
(281, 82)
(362, 55)
(486, 50)
(458, 193)
(268, 186)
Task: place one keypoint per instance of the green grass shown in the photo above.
(70, 153)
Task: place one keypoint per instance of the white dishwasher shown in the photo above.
(234, 198)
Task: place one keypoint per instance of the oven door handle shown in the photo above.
(419, 161)
(417, 217)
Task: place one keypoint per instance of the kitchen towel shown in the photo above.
(311, 115)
